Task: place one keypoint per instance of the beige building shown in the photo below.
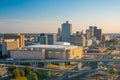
(11, 42)
(9, 45)
(49, 52)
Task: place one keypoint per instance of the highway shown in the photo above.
(59, 61)
(57, 70)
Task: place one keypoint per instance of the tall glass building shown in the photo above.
(66, 30)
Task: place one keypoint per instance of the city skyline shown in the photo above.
(39, 15)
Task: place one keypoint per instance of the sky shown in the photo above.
(38, 16)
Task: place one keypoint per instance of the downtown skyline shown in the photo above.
(47, 15)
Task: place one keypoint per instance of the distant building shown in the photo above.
(89, 42)
(87, 34)
(9, 45)
(78, 33)
(43, 39)
(48, 52)
(52, 38)
(98, 33)
(47, 38)
(59, 34)
(28, 54)
(66, 30)
(11, 41)
(18, 37)
(106, 37)
(77, 40)
(91, 29)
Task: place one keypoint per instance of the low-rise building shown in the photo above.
(48, 52)
(28, 54)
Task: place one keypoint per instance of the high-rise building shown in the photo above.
(47, 38)
(59, 34)
(91, 29)
(87, 34)
(43, 39)
(52, 38)
(98, 33)
(66, 30)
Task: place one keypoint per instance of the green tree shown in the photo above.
(112, 74)
(16, 73)
(22, 73)
(32, 76)
(27, 70)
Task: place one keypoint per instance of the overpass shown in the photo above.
(56, 70)
(60, 60)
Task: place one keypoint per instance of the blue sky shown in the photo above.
(39, 15)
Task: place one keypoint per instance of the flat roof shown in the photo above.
(51, 46)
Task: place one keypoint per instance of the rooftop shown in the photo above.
(51, 46)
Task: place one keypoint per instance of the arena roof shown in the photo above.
(51, 46)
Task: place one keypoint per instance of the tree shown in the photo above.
(16, 73)
(22, 73)
(27, 70)
(112, 74)
(32, 76)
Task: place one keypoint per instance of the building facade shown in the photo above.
(77, 40)
(9, 45)
(98, 33)
(91, 29)
(43, 39)
(28, 54)
(106, 37)
(49, 52)
(48, 38)
(66, 30)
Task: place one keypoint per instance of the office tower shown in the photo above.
(52, 38)
(91, 29)
(98, 33)
(43, 39)
(48, 38)
(87, 34)
(66, 30)
(59, 34)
